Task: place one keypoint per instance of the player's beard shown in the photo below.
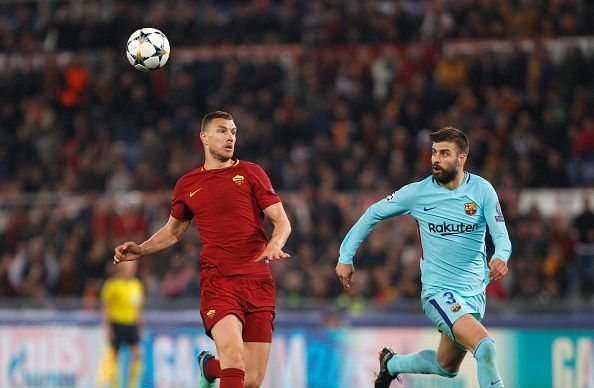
(220, 156)
(446, 176)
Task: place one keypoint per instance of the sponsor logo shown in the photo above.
(429, 208)
(448, 229)
(455, 307)
(21, 375)
(470, 208)
(238, 179)
(211, 313)
(389, 197)
(495, 382)
(194, 192)
(53, 357)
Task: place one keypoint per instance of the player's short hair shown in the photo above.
(453, 135)
(218, 114)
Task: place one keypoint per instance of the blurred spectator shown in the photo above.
(181, 278)
(34, 271)
(584, 224)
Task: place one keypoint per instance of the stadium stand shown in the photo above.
(336, 104)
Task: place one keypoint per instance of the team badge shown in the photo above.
(211, 313)
(470, 208)
(238, 179)
(455, 307)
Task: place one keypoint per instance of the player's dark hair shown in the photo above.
(214, 115)
(453, 135)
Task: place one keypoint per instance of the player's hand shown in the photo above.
(497, 269)
(272, 252)
(128, 251)
(345, 274)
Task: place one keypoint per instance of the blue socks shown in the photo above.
(421, 362)
(425, 362)
(486, 359)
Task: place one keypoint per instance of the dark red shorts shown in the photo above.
(251, 300)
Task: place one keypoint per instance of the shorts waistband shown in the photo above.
(214, 273)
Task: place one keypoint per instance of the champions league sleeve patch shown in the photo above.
(499, 217)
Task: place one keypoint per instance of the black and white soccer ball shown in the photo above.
(147, 49)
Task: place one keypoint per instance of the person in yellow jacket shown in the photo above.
(122, 297)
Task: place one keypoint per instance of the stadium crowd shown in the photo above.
(102, 24)
(337, 126)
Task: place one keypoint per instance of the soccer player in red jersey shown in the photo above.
(228, 199)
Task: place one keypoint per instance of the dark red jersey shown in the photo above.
(227, 206)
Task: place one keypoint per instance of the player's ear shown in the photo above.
(203, 137)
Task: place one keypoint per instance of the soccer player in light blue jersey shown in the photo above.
(452, 209)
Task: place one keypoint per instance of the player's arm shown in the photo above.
(498, 230)
(162, 239)
(398, 203)
(280, 233)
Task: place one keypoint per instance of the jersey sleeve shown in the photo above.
(399, 203)
(262, 187)
(179, 209)
(496, 223)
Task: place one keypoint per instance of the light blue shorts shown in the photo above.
(446, 306)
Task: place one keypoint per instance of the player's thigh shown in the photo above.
(256, 361)
(218, 299)
(445, 307)
(469, 331)
(449, 355)
(227, 335)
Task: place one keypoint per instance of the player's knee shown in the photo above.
(231, 355)
(485, 350)
(253, 379)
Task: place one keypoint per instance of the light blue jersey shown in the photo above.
(452, 226)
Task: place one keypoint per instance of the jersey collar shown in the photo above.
(224, 168)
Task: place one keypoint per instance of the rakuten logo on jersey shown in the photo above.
(445, 229)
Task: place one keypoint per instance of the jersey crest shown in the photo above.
(238, 179)
(470, 208)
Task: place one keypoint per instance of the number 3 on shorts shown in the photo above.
(449, 298)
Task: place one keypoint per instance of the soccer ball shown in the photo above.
(147, 49)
